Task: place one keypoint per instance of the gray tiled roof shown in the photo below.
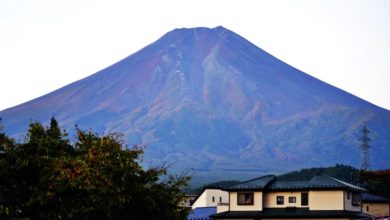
(271, 183)
(330, 182)
(257, 183)
(369, 197)
(202, 213)
(285, 184)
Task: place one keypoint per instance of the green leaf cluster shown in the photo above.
(97, 177)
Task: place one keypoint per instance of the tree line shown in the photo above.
(96, 177)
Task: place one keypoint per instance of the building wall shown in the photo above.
(326, 200)
(201, 201)
(270, 199)
(222, 208)
(348, 203)
(218, 195)
(376, 209)
(257, 203)
(206, 199)
(318, 200)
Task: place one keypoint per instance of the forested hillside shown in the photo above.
(342, 172)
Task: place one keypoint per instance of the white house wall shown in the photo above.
(206, 198)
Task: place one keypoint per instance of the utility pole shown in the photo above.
(364, 146)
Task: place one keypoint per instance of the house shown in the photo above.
(375, 205)
(188, 200)
(205, 204)
(266, 197)
(211, 197)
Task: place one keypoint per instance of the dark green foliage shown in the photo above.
(341, 172)
(46, 177)
(377, 182)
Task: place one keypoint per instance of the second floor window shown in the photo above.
(279, 200)
(245, 198)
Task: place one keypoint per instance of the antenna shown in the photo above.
(364, 146)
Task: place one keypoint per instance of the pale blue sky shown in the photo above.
(46, 44)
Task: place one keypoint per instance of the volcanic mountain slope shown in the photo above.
(210, 100)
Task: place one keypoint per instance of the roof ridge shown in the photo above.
(275, 177)
(340, 181)
(260, 177)
(262, 182)
(349, 185)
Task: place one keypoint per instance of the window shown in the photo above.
(348, 195)
(367, 209)
(279, 200)
(245, 199)
(356, 199)
(220, 199)
(292, 199)
(213, 199)
(304, 199)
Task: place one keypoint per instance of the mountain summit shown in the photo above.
(210, 100)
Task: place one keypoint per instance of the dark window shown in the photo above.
(356, 199)
(292, 199)
(245, 199)
(220, 199)
(213, 199)
(279, 200)
(348, 195)
(367, 209)
(304, 198)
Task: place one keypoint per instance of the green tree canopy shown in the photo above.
(47, 177)
(376, 181)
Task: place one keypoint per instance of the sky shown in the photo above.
(47, 44)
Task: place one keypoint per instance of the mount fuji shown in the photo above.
(209, 100)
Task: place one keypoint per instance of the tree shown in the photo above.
(46, 177)
(376, 181)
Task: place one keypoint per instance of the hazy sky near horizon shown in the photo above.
(47, 44)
